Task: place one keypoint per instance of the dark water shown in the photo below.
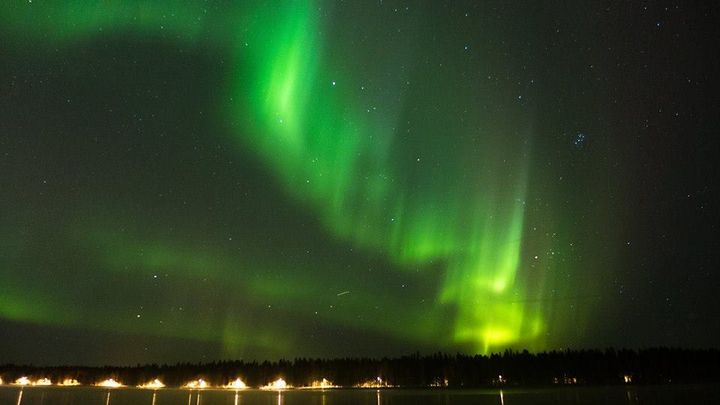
(689, 394)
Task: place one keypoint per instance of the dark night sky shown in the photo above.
(204, 180)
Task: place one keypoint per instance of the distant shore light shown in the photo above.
(154, 384)
(324, 383)
(42, 381)
(109, 383)
(69, 382)
(278, 384)
(238, 384)
(197, 384)
(22, 381)
(376, 383)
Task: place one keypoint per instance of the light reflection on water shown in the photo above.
(563, 396)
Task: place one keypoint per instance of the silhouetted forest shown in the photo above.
(511, 368)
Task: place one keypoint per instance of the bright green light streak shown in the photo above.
(482, 263)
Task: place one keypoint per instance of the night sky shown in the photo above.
(202, 180)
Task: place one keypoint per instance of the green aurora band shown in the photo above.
(289, 103)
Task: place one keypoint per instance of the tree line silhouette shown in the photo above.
(510, 368)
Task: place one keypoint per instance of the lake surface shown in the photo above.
(686, 394)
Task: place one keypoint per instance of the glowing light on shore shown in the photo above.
(26, 381)
(109, 383)
(376, 383)
(238, 384)
(22, 381)
(1, 381)
(42, 382)
(198, 384)
(69, 382)
(278, 384)
(322, 384)
(154, 384)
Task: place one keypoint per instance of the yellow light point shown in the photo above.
(69, 382)
(198, 384)
(154, 384)
(22, 381)
(278, 384)
(109, 383)
(1, 381)
(42, 381)
(322, 384)
(376, 383)
(238, 384)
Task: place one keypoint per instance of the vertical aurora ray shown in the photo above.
(483, 285)
(322, 152)
(308, 127)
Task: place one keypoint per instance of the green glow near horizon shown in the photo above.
(346, 166)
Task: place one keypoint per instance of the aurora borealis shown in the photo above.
(205, 180)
